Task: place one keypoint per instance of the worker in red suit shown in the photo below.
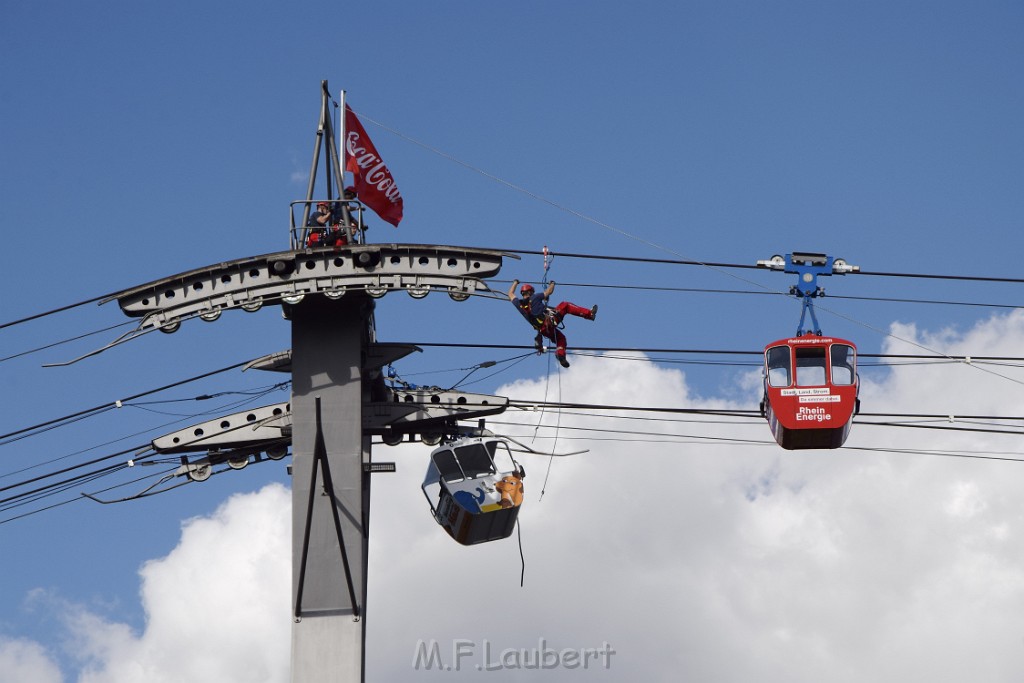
(546, 319)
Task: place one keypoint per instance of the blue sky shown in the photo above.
(144, 139)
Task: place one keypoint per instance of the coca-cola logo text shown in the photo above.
(378, 174)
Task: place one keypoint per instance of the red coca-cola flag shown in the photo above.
(373, 182)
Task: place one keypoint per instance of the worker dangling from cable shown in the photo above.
(546, 319)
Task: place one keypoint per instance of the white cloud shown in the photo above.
(23, 660)
(711, 562)
(216, 607)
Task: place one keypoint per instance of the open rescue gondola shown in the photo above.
(810, 381)
(475, 488)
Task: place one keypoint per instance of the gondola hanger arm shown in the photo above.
(523, 448)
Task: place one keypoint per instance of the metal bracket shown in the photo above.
(378, 354)
(808, 266)
(246, 428)
(424, 410)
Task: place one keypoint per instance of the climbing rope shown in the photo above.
(522, 558)
(554, 442)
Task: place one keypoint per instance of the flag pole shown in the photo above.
(342, 160)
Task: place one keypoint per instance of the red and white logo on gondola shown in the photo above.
(374, 184)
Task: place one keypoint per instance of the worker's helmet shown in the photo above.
(526, 290)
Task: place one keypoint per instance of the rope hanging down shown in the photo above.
(554, 443)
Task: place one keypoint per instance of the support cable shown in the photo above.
(595, 221)
(972, 359)
(65, 341)
(720, 268)
(740, 412)
(703, 438)
(60, 309)
(707, 290)
(770, 443)
(745, 266)
(764, 291)
(88, 412)
(182, 418)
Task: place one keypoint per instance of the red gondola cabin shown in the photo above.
(810, 391)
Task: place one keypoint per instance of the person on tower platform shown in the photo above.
(322, 222)
(333, 223)
(545, 319)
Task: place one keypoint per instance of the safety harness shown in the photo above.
(539, 322)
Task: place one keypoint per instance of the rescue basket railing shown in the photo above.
(349, 211)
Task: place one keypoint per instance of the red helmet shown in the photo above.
(526, 289)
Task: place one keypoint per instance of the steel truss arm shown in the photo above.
(288, 276)
(403, 411)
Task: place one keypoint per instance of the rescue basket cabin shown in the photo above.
(474, 488)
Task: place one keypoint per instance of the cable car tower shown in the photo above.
(339, 398)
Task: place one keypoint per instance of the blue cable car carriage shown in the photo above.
(810, 381)
(475, 488)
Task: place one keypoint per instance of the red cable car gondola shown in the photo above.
(810, 391)
(810, 381)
